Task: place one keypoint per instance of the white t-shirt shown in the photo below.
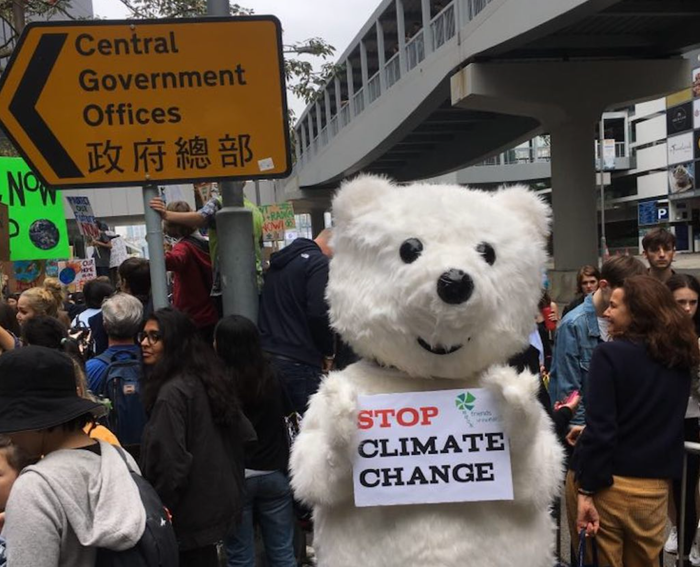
(81, 320)
(604, 326)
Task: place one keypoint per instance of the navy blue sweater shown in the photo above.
(634, 417)
(293, 317)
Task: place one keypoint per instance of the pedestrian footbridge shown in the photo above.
(389, 110)
(431, 86)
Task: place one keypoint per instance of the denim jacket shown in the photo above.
(577, 336)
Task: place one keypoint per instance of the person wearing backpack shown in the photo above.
(117, 373)
(83, 504)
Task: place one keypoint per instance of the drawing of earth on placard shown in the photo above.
(44, 234)
(67, 275)
(26, 270)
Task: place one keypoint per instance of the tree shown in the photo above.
(13, 14)
(303, 80)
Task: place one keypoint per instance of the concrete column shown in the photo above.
(297, 149)
(365, 71)
(551, 93)
(351, 88)
(427, 30)
(327, 108)
(317, 223)
(401, 31)
(310, 126)
(574, 193)
(381, 57)
(338, 101)
(304, 141)
(319, 123)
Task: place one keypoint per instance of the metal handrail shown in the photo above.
(415, 50)
(443, 26)
(358, 101)
(693, 448)
(392, 70)
(374, 87)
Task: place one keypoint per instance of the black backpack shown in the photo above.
(157, 546)
(121, 384)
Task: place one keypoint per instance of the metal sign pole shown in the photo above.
(234, 226)
(154, 237)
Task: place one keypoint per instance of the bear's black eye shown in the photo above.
(410, 250)
(487, 252)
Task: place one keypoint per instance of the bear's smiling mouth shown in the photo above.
(438, 350)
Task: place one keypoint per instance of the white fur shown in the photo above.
(381, 305)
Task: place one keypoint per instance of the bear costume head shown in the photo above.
(436, 280)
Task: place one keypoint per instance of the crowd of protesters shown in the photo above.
(99, 386)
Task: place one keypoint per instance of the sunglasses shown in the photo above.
(152, 337)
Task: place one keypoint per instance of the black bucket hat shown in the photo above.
(38, 390)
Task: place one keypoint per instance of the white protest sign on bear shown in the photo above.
(429, 448)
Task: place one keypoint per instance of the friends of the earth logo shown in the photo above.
(466, 403)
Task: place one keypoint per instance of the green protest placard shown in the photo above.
(37, 221)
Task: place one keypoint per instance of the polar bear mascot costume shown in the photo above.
(435, 287)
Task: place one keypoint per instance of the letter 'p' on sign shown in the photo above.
(104, 104)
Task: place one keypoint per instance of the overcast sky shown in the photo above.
(336, 21)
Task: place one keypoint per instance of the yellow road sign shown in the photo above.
(97, 104)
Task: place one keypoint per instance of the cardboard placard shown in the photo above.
(37, 220)
(84, 217)
(4, 232)
(24, 274)
(74, 274)
(277, 219)
(430, 447)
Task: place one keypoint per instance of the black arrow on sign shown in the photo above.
(23, 106)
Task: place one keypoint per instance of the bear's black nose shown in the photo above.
(454, 287)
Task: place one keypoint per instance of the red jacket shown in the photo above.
(191, 266)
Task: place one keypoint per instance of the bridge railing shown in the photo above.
(374, 87)
(474, 7)
(345, 114)
(392, 70)
(443, 26)
(358, 101)
(333, 126)
(415, 51)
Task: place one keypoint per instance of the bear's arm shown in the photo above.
(535, 453)
(320, 462)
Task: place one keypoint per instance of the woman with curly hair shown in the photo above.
(632, 445)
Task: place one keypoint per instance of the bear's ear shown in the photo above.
(359, 196)
(526, 204)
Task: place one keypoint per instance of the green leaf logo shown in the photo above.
(465, 401)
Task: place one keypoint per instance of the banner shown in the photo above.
(37, 221)
(679, 119)
(82, 210)
(681, 178)
(680, 148)
(609, 153)
(277, 219)
(430, 447)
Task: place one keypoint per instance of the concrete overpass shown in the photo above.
(431, 86)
